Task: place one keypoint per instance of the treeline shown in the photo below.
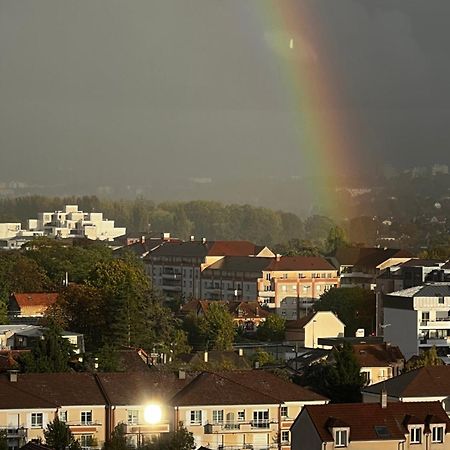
(209, 219)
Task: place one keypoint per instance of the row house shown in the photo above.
(177, 267)
(381, 426)
(418, 318)
(222, 409)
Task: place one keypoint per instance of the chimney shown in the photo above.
(241, 352)
(165, 236)
(203, 240)
(383, 398)
(13, 375)
(142, 239)
(278, 257)
(181, 375)
(192, 238)
(205, 356)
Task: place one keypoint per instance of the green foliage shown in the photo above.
(341, 381)
(354, 306)
(263, 358)
(272, 329)
(108, 359)
(3, 440)
(181, 439)
(298, 247)
(425, 359)
(217, 327)
(59, 437)
(52, 353)
(336, 239)
(119, 439)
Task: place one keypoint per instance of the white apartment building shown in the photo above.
(71, 222)
(418, 318)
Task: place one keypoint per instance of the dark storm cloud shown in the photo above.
(88, 88)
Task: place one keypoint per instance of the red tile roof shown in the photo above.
(377, 355)
(300, 263)
(44, 299)
(362, 418)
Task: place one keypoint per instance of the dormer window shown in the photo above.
(415, 434)
(437, 434)
(341, 437)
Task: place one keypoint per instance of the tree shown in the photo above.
(217, 327)
(52, 353)
(425, 359)
(272, 329)
(59, 437)
(336, 238)
(118, 439)
(339, 378)
(181, 439)
(3, 440)
(354, 306)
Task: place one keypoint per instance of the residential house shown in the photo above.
(379, 362)
(177, 267)
(361, 266)
(291, 284)
(307, 330)
(29, 307)
(426, 384)
(241, 409)
(20, 337)
(362, 426)
(418, 318)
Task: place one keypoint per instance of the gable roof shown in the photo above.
(377, 355)
(431, 381)
(255, 387)
(426, 290)
(364, 418)
(303, 321)
(300, 263)
(238, 309)
(141, 387)
(44, 299)
(241, 264)
(381, 255)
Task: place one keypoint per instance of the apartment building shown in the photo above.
(381, 426)
(73, 223)
(291, 284)
(177, 267)
(243, 409)
(418, 318)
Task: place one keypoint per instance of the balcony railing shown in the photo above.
(14, 432)
(83, 423)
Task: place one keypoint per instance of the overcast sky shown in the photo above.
(126, 91)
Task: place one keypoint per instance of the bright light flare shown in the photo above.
(152, 414)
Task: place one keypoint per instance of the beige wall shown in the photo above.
(377, 374)
(324, 324)
(235, 432)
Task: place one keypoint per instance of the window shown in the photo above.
(86, 441)
(133, 417)
(36, 420)
(441, 300)
(341, 438)
(86, 417)
(196, 417)
(284, 411)
(285, 437)
(366, 376)
(241, 416)
(437, 434)
(260, 419)
(218, 416)
(62, 415)
(416, 435)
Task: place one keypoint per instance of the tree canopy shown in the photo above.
(59, 437)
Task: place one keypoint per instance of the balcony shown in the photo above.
(171, 276)
(139, 429)
(171, 288)
(83, 424)
(14, 433)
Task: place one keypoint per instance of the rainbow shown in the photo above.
(327, 150)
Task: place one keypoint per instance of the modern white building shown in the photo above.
(417, 318)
